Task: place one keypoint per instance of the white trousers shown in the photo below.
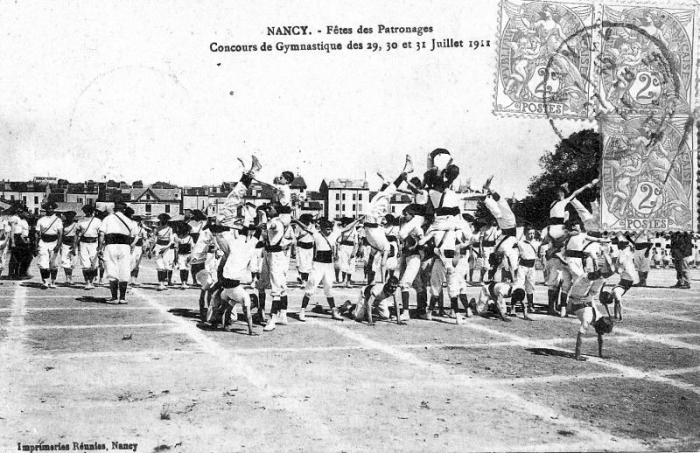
(117, 259)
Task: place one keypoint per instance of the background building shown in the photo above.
(345, 197)
(152, 202)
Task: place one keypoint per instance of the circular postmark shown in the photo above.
(641, 100)
(635, 74)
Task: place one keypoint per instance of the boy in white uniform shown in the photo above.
(86, 237)
(347, 247)
(274, 270)
(163, 251)
(379, 207)
(233, 274)
(117, 237)
(410, 235)
(374, 298)
(526, 270)
(492, 299)
(49, 238)
(137, 252)
(575, 255)
(487, 242)
(506, 245)
(628, 275)
(582, 304)
(68, 247)
(322, 270)
(557, 211)
(183, 252)
(304, 248)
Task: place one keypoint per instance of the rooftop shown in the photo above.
(158, 194)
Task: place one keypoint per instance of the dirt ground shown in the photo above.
(77, 370)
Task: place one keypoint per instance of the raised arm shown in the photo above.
(578, 191)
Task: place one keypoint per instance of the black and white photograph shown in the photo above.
(367, 226)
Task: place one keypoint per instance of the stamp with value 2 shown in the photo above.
(646, 63)
(539, 74)
(647, 175)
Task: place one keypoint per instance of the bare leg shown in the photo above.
(577, 353)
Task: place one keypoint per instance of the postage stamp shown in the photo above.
(646, 77)
(646, 61)
(630, 68)
(534, 64)
(647, 175)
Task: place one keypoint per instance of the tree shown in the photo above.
(576, 161)
(482, 214)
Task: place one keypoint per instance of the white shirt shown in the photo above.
(201, 247)
(447, 199)
(23, 228)
(558, 209)
(236, 266)
(49, 225)
(305, 237)
(324, 243)
(489, 234)
(577, 241)
(379, 205)
(283, 194)
(89, 226)
(117, 223)
(625, 266)
(276, 232)
(528, 250)
(16, 227)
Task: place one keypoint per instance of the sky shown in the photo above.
(130, 90)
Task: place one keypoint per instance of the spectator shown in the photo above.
(681, 251)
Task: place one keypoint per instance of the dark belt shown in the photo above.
(273, 248)
(447, 211)
(88, 240)
(196, 268)
(305, 245)
(229, 283)
(509, 232)
(162, 242)
(575, 254)
(371, 225)
(527, 263)
(49, 237)
(492, 288)
(392, 238)
(488, 244)
(449, 253)
(626, 284)
(113, 239)
(350, 243)
(556, 220)
(641, 246)
(184, 249)
(323, 256)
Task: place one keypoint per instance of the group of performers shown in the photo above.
(245, 252)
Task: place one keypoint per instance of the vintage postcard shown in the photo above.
(349, 226)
